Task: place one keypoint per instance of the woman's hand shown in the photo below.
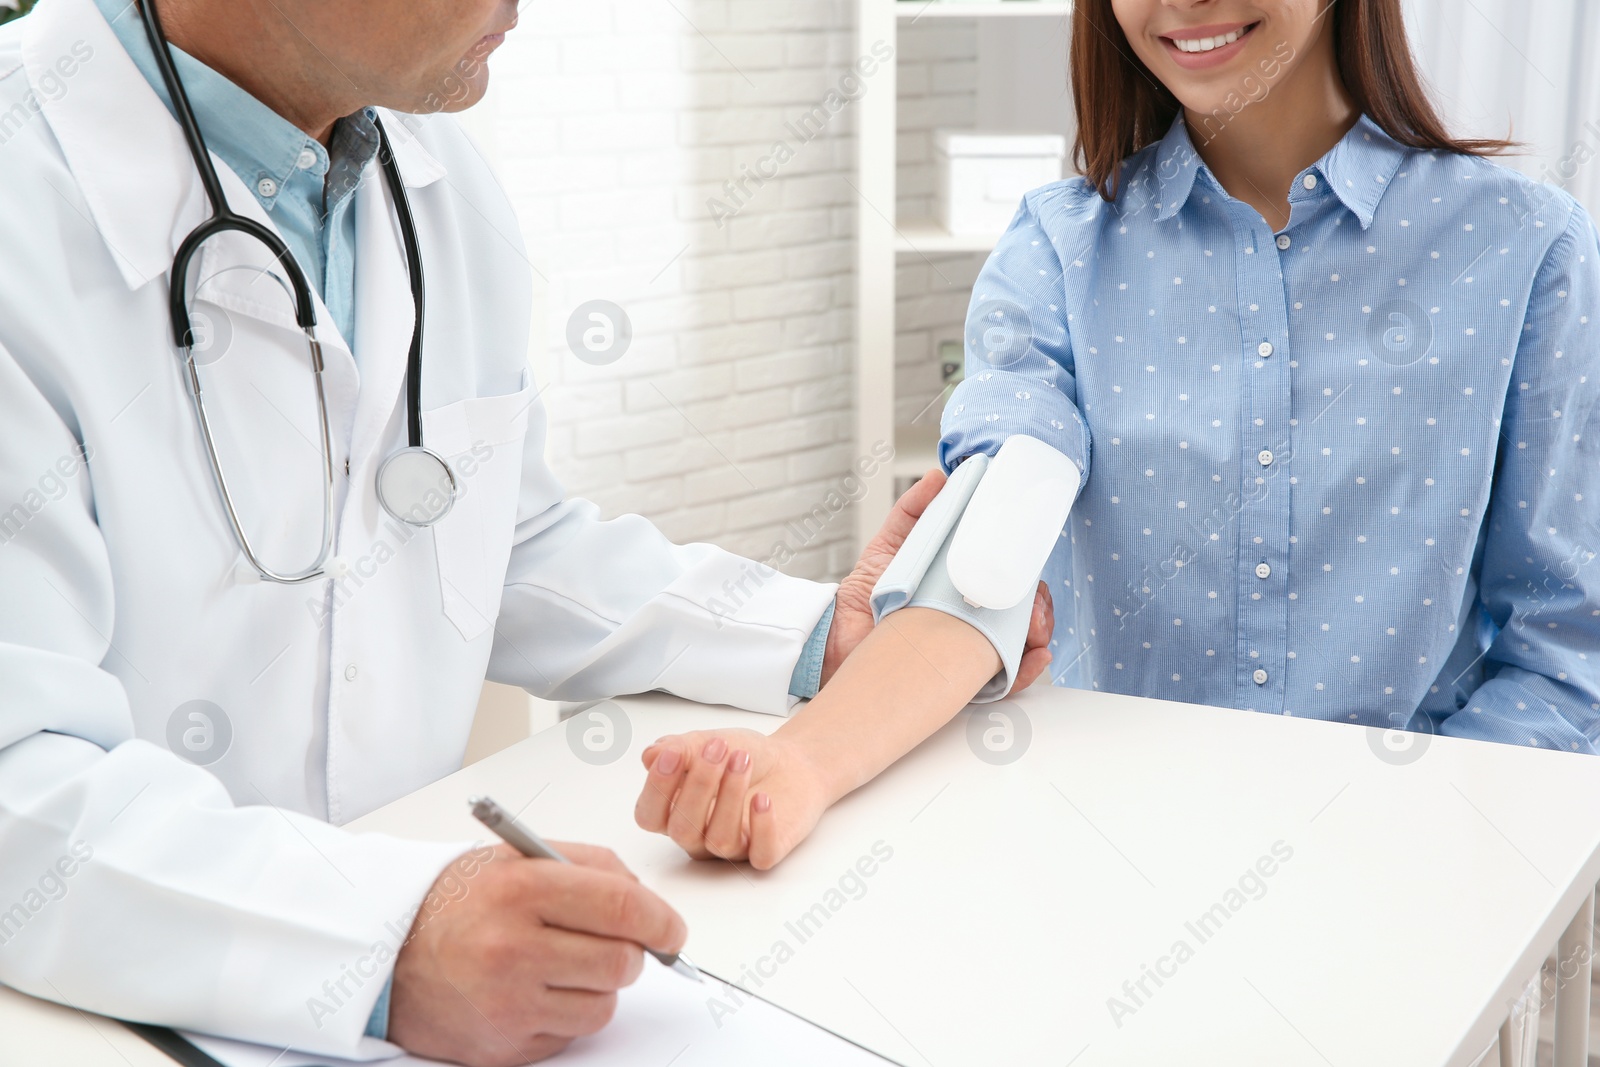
(733, 794)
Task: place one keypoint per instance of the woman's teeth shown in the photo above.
(1206, 44)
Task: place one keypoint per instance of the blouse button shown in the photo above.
(1283, 241)
(1259, 677)
(1264, 349)
(1263, 570)
(1309, 181)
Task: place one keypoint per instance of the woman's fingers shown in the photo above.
(767, 846)
(691, 811)
(661, 784)
(725, 832)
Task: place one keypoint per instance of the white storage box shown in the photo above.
(982, 176)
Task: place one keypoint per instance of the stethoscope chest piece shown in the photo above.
(416, 486)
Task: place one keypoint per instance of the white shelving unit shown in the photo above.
(1021, 84)
(916, 10)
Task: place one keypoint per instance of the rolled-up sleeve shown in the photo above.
(1020, 377)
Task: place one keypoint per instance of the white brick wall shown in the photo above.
(615, 121)
(938, 83)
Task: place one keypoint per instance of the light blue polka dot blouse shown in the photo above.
(1349, 470)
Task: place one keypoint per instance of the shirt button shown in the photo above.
(1259, 677)
(1309, 181)
(267, 188)
(1264, 349)
(1264, 457)
(1263, 570)
(1283, 240)
(350, 673)
(307, 160)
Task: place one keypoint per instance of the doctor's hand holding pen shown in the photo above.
(511, 958)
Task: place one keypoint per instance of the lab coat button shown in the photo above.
(267, 187)
(1264, 457)
(1259, 677)
(1264, 349)
(1263, 570)
(1283, 241)
(350, 673)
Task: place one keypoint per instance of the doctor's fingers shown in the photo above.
(691, 812)
(594, 856)
(1036, 655)
(587, 901)
(1030, 667)
(575, 1012)
(915, 501)
(568, 960)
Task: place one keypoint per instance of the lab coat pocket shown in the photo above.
(481, 438)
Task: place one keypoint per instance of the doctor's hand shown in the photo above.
(508, 964)
(852, 611)
(732, 794)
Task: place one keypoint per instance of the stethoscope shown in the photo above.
(414, 484)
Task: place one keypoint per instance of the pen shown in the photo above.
(532, 845)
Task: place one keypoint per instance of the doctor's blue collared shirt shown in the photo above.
(307, 190)
(1349, 470)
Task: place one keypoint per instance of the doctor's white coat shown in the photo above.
(140, 884)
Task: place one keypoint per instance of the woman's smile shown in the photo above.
(1201, 47)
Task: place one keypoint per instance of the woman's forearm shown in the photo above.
(906, 679)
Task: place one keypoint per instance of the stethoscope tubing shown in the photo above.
(224, 219)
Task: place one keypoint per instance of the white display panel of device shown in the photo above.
(1011, 523)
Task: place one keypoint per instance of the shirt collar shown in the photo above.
(256, 142)
(1358, 169)
(1361, 166)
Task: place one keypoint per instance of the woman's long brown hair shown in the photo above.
(1122, 107)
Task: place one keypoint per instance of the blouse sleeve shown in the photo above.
(1020, 377)
(1539, 582)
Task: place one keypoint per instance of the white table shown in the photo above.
(1021, 896)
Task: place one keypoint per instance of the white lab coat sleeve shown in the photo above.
(596, 608)
(131, 884)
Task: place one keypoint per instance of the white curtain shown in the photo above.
(1527, 69)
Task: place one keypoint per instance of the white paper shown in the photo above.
(661, 1019)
